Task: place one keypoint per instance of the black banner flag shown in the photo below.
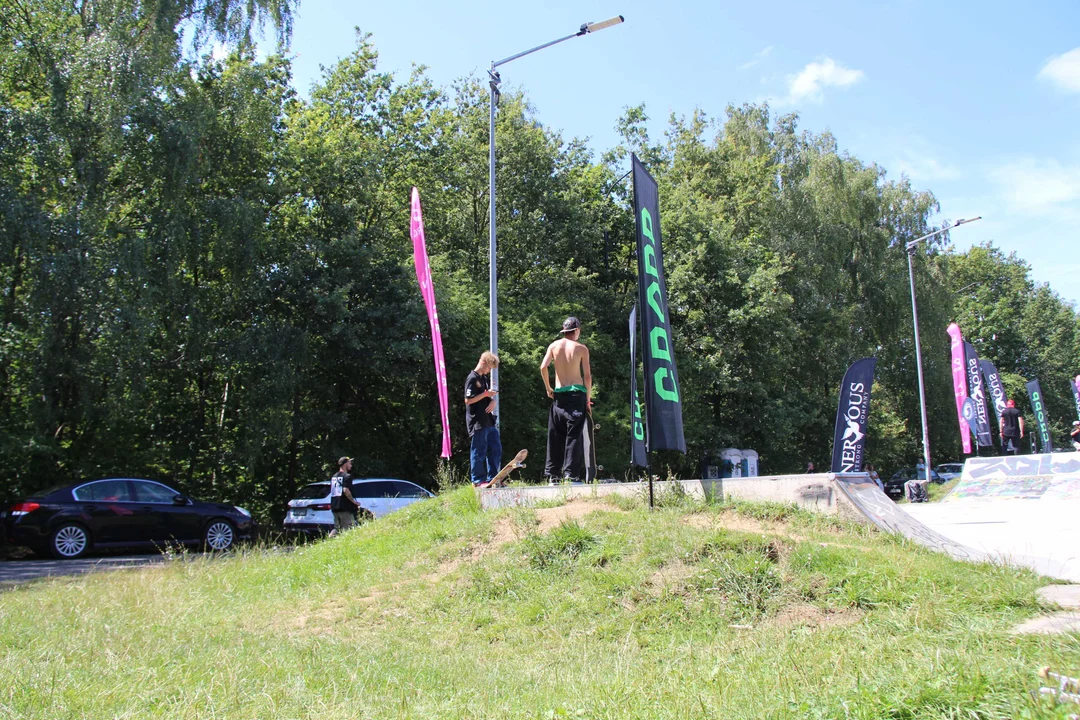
(971, 415)
(1038, 409)
(995, 390)
(638, 453)
(977, 393)
(663, 408)
(1074, 385)
(852, 416)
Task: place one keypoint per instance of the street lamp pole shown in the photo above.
(910, 250)
(493, 82)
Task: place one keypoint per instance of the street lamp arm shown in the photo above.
(585, 29)
(911, 245)
(497, 63)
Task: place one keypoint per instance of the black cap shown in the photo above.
(342, 460)
(570, 324)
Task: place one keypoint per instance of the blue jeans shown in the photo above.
(485, 457)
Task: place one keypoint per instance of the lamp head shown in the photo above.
(594, 27)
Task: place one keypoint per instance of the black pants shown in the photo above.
(1010, 445)
(565, 449)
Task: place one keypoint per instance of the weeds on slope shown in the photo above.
(445, 611)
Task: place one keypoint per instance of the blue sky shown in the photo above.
(977, 101)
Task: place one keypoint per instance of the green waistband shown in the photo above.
(570, 388)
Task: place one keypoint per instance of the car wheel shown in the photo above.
(69, 541)
(219, 536)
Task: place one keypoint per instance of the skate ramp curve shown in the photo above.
(1023, 509)
(873, 504)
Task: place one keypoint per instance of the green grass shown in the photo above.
(443, 611)
(937, 492)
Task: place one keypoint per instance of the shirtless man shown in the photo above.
(570, 402)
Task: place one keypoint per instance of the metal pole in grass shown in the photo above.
(493, 83)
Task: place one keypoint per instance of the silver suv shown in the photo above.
(309, 512)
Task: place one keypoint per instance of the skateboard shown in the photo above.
(516, 463)
(592, 470)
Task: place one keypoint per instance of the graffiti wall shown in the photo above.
(1031, 477)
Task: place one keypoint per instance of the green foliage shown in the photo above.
(560, 548)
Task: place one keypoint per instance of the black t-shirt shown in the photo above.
(476, 415)
(1010, 423)
(1075, 434)
(338, 484)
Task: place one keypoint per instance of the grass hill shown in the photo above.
(579, 611)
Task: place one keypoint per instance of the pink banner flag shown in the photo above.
(959, 378)
(423, 276)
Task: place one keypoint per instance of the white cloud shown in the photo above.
(808, 84)
(918, 159)
(756, 60)
(1036, 186)
(1063, 71)
(923, 168)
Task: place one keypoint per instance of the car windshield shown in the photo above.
(314, 491)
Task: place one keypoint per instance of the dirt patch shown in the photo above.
(670, 577)
(315, 617)
(506, 530)
(739, 523)
(550, 518)
(811, 616)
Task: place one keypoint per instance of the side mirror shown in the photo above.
(180, 500)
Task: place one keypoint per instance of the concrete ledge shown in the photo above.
(817, 492)
(493, 498)
(814, 492)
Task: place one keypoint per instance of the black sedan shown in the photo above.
(66, 522)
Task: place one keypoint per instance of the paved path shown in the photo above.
(14, 572)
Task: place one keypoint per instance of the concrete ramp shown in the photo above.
(1022, 509)
(1024, 477)
(879, 509)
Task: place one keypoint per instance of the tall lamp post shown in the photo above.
(493, 83)
(910, 248)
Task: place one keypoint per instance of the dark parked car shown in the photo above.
(67, 522)
(894, 486)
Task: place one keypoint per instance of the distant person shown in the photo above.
(1075, 435)
(342, 502)
(485, 452)
(570, 402)
(1011, 426)
(874, 476)
(809, 468)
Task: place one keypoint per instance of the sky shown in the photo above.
(978, 102)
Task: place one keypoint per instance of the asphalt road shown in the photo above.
(15, 572)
